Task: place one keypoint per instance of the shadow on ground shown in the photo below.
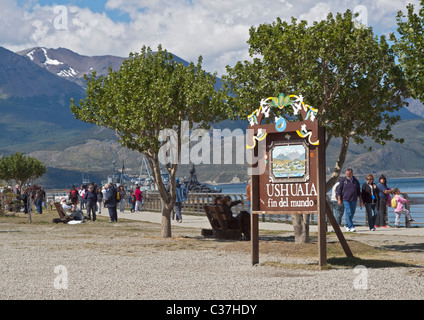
(411, 247)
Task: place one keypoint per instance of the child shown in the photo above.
(400, 208)
(131, 201)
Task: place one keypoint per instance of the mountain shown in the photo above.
(34, 105)
(416, 107)
(19, 77)
(407, 113)
(73, 66)
(70, 65)
(394, 159)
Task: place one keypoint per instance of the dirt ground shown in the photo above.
(131, 237)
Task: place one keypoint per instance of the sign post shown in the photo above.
(322, 201)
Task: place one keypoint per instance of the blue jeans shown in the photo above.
(338, 212)
(350, 208)
(39, 205)
(113, 214)
(91, 209)
(178, 207)
(372, 213)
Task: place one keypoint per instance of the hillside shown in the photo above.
(393, 159)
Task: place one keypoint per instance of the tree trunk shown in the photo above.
(167, 198)
(301, 227)
(339, 164)
(166, 221)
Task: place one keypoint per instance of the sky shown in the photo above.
(217, 30)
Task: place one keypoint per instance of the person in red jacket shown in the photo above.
(138, 198)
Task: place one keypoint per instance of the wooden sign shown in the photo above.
(288, 184)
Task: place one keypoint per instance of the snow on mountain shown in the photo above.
(68, 73)
(21, 77)
(50, 61)
(70, 65)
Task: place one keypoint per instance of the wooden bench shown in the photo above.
(219, 223)
(63, 218)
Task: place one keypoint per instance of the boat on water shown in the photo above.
(146, 180)
(193, 185)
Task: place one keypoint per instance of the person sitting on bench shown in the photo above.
(242, 220)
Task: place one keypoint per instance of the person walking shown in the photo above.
(338, 210)
(138, 198)
(82, 193)
(25, 197)
(349, 191)
(181, 192)
(384, 194)
(39, 199)
(91, 200)
(131, 201)
(121, 198)
(370, 199)
(110, 202)
(73, 195)
(99, 195)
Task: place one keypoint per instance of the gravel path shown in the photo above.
(107, 263)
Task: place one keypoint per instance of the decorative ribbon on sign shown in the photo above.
(259, 137)
(280, 102)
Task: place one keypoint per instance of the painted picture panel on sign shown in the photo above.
(289, 161)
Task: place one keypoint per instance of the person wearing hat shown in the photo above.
(384, 193)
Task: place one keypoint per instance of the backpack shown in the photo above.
(393, 202)
(110, 197)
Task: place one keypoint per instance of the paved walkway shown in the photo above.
(202, 222)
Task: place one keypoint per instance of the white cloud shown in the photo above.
(15, 24)
(218, 30)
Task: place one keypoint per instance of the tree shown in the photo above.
(409, 47)
(150, 93)
(347, 73)
(20, 169)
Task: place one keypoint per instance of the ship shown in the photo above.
(193, 185)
